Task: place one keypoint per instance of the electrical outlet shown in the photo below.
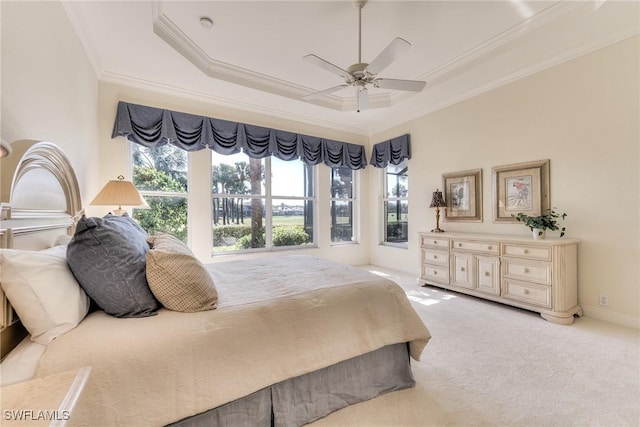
(603, 300)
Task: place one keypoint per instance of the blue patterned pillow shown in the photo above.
(108, 258)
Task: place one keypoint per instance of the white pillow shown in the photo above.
(43, 291)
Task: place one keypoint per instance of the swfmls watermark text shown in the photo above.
(35, 415)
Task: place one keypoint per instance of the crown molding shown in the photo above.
(478, 56)
(79, 24)
(170, 33)
(566, 56)
(488, 46)
(208, 98)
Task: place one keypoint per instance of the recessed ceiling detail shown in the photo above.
(251, 59)
(168, 31)
(165, 28)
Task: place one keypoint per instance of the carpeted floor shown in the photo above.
(492, 365)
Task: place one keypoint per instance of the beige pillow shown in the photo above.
(177, 279)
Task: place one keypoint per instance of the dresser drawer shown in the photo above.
(534, 271)
(436, 242)
(488, 271)
(542, 253)
(483, 247)
(529, 293)
(432, 256)
(434, 273)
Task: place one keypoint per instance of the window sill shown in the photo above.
(263, 250)
(402, 245)
(338, 244)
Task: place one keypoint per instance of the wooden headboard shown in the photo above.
(44, 203)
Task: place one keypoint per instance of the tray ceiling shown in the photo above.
(251, 58)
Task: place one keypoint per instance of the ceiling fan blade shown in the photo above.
(323, 92)
(327, 65)
(396, 48)
(363, 99)
(395, 84)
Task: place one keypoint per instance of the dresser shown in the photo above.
(536, 275)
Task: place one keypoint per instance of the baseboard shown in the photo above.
(611, 317)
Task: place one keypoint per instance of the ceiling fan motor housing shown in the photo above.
(358, 72)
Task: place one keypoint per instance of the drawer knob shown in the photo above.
(526, 270)
(435, 257)
(525, 291)
(461, 268)
(435, 242)
(459, 245)
(435, 273)
(486, 273)
(490, 247)
(526, 251)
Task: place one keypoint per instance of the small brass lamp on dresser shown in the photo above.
(536, 275)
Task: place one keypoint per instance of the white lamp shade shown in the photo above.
(119, 193)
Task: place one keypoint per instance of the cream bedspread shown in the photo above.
(277, 318)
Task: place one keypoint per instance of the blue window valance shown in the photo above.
(392, 151)
(154, 127)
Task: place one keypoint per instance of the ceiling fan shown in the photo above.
(360, 75)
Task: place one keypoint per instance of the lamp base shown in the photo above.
(437, 229)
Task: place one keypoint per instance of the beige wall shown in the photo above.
(114, 154)
(582, 115)
(49, 90)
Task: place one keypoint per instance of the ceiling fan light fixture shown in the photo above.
(363, 97)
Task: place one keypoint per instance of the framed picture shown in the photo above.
(521, 187)
(463, 195)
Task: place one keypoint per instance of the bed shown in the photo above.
(287, 340)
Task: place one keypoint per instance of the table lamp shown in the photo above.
(437, 202)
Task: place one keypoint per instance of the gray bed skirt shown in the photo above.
(304, 399)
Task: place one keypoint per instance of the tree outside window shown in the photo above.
(342, 205)
(396, 203)
(160, 174)
(261, 203)
(256, 203)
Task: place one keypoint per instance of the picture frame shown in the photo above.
(520, 187)
(463, 195)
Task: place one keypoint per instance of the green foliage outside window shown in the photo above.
(166, 214)
(290, 236)
(282, 236)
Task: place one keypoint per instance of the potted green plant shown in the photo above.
(548, 220)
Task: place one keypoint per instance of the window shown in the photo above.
(342, 205)
(261, 203)
(160, 174)
(396, 203)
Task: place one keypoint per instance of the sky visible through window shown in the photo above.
(287, 177)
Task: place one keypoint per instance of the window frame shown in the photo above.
(354, 208)
(158, 193)
(385, 199)
(268, 198)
